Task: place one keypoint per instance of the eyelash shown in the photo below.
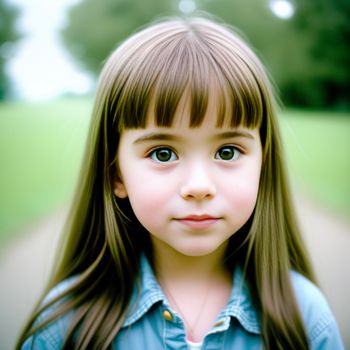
(173, 156)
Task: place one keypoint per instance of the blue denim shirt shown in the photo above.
(152, 323)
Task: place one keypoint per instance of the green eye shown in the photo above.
(163, 155)
(227, 153)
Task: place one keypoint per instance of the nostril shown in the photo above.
(198, 193)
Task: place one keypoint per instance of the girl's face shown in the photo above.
(191, 188)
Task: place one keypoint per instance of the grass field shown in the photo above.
(317, 146)
(40, 152)
(41, 147)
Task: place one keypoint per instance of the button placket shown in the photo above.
(174, 332)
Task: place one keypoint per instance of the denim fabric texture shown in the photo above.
(236, 327)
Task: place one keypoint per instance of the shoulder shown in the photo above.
(318, 318)
(52, 335)
(309, 296)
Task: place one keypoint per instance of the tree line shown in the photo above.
(8, 37)
(307, 55)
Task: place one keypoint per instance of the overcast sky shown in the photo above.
(41, 67)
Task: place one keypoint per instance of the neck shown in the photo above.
(170, 265)
(197, 287)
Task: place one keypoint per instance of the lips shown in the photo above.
(198, 221)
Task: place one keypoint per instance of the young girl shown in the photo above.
(183, 235)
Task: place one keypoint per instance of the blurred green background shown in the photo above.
(303, 43)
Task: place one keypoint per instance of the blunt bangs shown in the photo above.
(154, 70)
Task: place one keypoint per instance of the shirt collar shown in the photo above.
(147, 293)
(240, 305)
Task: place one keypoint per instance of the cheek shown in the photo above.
(243, 192)
(148, 213)
(242, 199)
(149, 199)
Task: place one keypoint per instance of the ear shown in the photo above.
(119, 189)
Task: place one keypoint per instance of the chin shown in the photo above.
(198, 251)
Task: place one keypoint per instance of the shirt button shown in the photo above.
(167, 315)
(217, 324)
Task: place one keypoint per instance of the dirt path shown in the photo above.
(328, 239)
(25, 265)
(24, 268)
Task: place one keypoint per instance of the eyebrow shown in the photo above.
(235, 133)
(155, 136)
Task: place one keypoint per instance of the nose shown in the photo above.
(197, 184)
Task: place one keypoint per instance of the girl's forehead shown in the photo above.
(182, 117)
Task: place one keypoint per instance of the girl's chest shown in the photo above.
(161, 328)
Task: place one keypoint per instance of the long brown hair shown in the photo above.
(153, 69)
